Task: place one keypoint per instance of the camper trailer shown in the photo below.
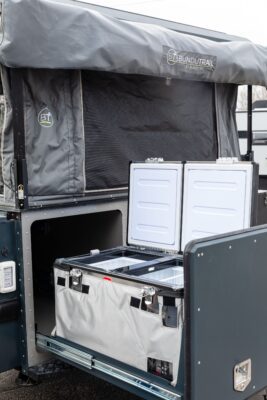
(131, 243)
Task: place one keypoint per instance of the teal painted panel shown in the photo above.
(9, 351)
(9, 327)
(226, 313)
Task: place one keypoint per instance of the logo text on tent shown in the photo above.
(45, 118)
(188, 61)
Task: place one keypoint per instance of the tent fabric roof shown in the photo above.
(69, 35)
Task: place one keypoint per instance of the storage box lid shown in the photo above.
(155, 205)
(216, 199)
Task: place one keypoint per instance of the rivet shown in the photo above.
(198, 309)
(230, 247)
(202, 254)
(254, 387)
(199, 362)
(255, 240)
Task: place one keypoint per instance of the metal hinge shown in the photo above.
(227, 160)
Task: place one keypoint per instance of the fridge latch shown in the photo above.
(148, 292)
(76, 278)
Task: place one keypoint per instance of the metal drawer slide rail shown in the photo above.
(87, 361)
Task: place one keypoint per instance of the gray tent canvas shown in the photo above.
(99, 92)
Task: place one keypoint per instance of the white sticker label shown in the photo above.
(8, 277)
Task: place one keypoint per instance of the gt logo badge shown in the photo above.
(45, 118)
(172, 57)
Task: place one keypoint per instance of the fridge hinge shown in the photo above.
(154, 160)
(227, 160)
(157, 249)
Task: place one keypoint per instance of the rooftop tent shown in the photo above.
(98, 92)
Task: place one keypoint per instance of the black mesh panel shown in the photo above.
(130, 118)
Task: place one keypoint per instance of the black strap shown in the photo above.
(20, 167)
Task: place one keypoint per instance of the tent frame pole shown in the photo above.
(249, 155)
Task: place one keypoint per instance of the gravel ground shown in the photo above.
(73, 384)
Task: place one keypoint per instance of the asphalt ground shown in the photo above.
(72, 385)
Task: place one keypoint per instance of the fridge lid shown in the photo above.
(217, 199)
(154, 214)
